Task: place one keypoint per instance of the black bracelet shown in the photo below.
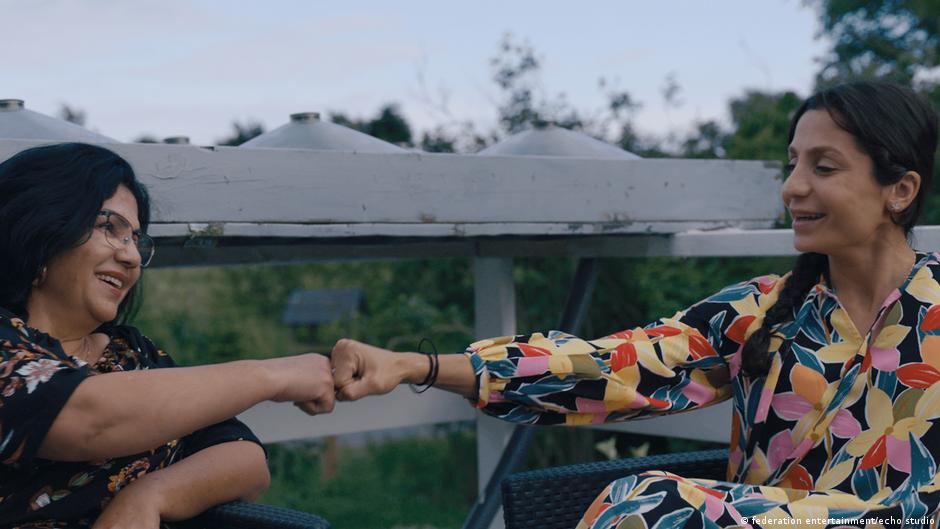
(433, 368)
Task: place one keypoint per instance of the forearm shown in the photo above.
(455, 373)
(218, 474)
(118, 414)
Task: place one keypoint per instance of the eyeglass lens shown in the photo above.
(120, 233)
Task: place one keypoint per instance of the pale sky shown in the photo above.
(169, 67)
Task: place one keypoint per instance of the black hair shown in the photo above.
(897, 129)
(50, 197)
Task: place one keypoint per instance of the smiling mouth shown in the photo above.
(113, 281)
(815, 216)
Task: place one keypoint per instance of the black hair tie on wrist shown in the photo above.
(434, 366)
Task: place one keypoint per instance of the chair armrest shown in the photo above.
(244, 515)
(556, 498)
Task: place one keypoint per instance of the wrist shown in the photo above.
(147, 490)
(266, 372)
(414, 367)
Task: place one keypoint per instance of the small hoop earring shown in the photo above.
(42, 277)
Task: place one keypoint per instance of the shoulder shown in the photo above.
(15, 334)
(12, 326)
(761, 286)
(930, 260)
(139, 343)
(923, 282)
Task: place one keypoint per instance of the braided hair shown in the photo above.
(894, 126)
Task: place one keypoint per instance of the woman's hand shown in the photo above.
(306, 380)
(360, 369)
(136, 506)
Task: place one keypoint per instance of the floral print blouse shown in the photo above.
(36, 380)
(843, 427)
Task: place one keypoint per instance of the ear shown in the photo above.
(903, 193)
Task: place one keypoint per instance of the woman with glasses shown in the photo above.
(95, 430)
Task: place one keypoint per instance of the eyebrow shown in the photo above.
(818, 150)
(123, 216)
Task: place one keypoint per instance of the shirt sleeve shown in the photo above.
(223, 432)
(672, 365)
(36, 380)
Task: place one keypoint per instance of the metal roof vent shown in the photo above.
(547, 139)
(307, 131)
(18, 123)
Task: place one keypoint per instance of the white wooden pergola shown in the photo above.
(254, 205)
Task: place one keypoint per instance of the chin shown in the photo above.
(803, 248)
(104, 315)
(805, 245)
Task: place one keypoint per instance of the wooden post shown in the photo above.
(495, 315)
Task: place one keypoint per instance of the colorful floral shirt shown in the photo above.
(844, 423)
(36, 380)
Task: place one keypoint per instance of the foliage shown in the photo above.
(412, 482)
(208, 315)
(242, 132)
(73, 115)
(389, 124)
(894, 40)
(515, 72)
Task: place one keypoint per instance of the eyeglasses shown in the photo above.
(119, 233)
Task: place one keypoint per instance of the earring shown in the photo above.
(895, 207)
(42, 277)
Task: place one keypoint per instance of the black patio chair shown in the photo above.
(244, 515)
(555, 498)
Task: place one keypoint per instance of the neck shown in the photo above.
(44, 317)
(79, 348)
(867, 274)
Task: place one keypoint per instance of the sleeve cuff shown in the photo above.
(482, 384)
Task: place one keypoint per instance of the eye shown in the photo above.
(788, 168)
(106, 225)
(825, 169)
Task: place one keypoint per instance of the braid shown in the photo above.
(755, 357)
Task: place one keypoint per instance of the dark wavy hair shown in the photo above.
(50, 197)
(894, 126)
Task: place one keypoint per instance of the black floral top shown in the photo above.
(36, 380)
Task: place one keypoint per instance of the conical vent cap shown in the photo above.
(19, 123)
(307, 131)
(551, 140)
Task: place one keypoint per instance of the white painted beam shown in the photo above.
(275, 186)
(277, 422)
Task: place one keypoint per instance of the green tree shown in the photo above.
(389, 125)
(895, 40)
(241, 132)
(760, 124)
(73, 114)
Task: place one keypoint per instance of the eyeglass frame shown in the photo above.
(140, 236)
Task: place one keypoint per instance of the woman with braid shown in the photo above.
(833, 368)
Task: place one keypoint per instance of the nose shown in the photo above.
(796, 185)
(128, 255)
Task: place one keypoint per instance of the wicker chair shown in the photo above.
(555, 498)
(243, 515)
